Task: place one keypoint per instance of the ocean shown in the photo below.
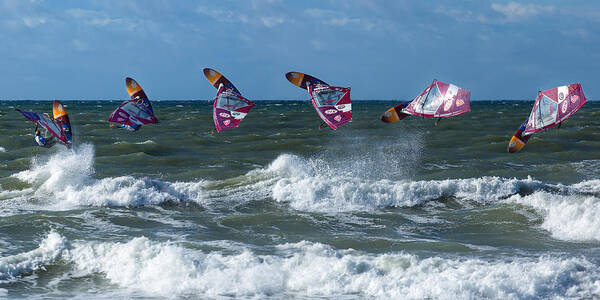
(278, 209)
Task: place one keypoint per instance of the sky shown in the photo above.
(383, 50)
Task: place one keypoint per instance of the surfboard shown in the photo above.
(394, 114)
(62, 119)
(216, 79)
(134, 90)
(518, 141)
(300, 79)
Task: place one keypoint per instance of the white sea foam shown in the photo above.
(65, 181)
(306, 269)
(566, 217)
(2, 149)
(317, 270)
(309, 185)
(49, 249)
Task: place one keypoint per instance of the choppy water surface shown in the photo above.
(280, 209)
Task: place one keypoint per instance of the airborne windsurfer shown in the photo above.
(42, 141)
(132, 127)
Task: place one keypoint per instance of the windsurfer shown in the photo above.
(132, 127)
(42, 141)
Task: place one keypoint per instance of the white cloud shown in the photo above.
(514, 11)
(456, 14)
(580, 33)
(227, 16)
(32, 22)
(218, 14)
(317, 45)
(339, 19)
(79, 45)
(318, 13)
(272, 21)
(92, 17)
(500, 13)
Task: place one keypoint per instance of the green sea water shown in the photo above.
(279, 208)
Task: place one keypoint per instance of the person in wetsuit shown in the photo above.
(132, 127)
(42, 141)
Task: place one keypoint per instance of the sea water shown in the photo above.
(280, 209)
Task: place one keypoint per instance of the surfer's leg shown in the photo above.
(321, 126)
(437, 121)
(50, 142)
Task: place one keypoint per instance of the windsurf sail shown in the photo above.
(47, 123)
(440, 100)
(136, 111)
(229, 108)
(331, 103)
(62, 119)
(553, 106)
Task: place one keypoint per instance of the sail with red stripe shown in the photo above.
(47, 123)
(137, 111)
(332, 103)
(229, 108)
(440, 100)
(553, 106)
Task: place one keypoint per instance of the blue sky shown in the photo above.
(384, 50)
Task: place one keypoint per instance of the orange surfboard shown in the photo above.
(62, 119)
(300, 79)
(394, 114)
(134, 89)
(216, 79)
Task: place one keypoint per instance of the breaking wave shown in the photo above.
(566, 217)
(50, 249)
(307, 185)
(307, 269)
(568, 211)
(64, 180)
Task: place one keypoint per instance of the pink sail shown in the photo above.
(331, 103)
(553, 106)
(132, 112)
(440, 100)
(47, 123)
(229, 108)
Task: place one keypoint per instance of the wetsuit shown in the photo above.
(132, 127)
(43, 142)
